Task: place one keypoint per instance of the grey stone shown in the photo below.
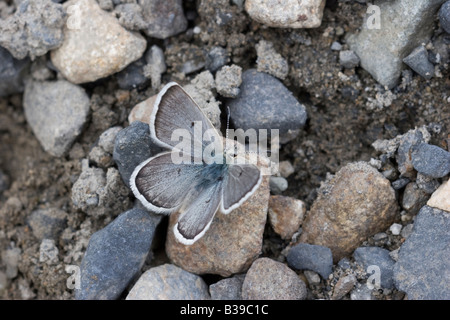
(169, 282)
(278, 184)
(362, 292)
(404, 25)
(345, 263)
(312, 277)
(132, 77)
(47, 223)
(107, 139)
(216, 58)
(426, 183)
(444, 16)
(164, 18)
(227, 289)
(130, 16)
(48, 252)
(407, 143)
(431, 160)
(400, 183)
(56, 112)
(407, 230)
(413, 198)
(336, 46)
(423, 266)
(265, 103)
(11, 258)
(395, 228)
(376, 256)
(228, 80)
(268, 279)
(418, 61)
(132, 146)
(12, 73)
(114, 256)
(270, 61)
(34, 29)
(304, 256)
(348, 59)
(343, 286)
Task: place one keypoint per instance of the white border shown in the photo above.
(138, 195)
(188, 242)
(243, 199)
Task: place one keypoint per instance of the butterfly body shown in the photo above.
(204, 182)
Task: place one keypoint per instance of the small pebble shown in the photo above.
(418, 61)
(286, 215)
(286, 168)
(426, 183)
(48, 252)
(336, 46)
(114, 256)
(227, 289)
(362, 292)
(132, 77)
(168, 282)
(268, 279)
(431, 160)
(406, 145)
(156, 65)
(164, 18)
(228, 80)
(379, 257)
(395, 229)
(400, 183)
(270, 61)
(407, 230)
(312, 277)
(317, 258)
(345, 263)
(278, 185)
(216, 58)
(343, 286)
(413, 198)
(348, 59)
(47, 223)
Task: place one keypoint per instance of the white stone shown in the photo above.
(396, 228)
(441, 197)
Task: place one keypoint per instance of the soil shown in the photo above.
(343, 122)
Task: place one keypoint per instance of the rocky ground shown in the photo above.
(359, 209)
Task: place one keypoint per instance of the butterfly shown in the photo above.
(198, 188)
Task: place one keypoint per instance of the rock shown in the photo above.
(312, 277)
(444, 16)
(286, 168)
(431, 160)
(216, 58)
(133, 77)
(228, 80)
(395, 229)
(168, 282)
(201, 91)
(56, 112)
(95, 44)
(11, 258)
(316, 258)
(348, 59)
(379, 257)
(336, 46)
(270, 61)
(345, 263)
(227, 289)
(400, 183)
(142, 111)
(355, 204)
(34, 29)
(271, 280)
(440, 199)
(426, 183)
(48, 252)
(12, 73)
(278, 185)
(286, 215)
(97, 193)
(165, 18)
(407, 230)
(47, 223)
(418, 61)
(362, 292)
(132, 146)
(286, 14)
(130, 16)
(114, 256)
(274, 105)
(343, 286)
(413, 198)
(156, 65)
(232, 242)
(407, 144)
(423, 267)
(381, 50)
(107, 139)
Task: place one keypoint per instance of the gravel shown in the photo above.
(418, 61)
(316, 258)
(431, 160)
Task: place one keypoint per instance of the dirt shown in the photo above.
(344, 118)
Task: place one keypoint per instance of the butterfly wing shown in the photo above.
(161, 185)
(240, 183)
(174, 109)
(197, 215)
